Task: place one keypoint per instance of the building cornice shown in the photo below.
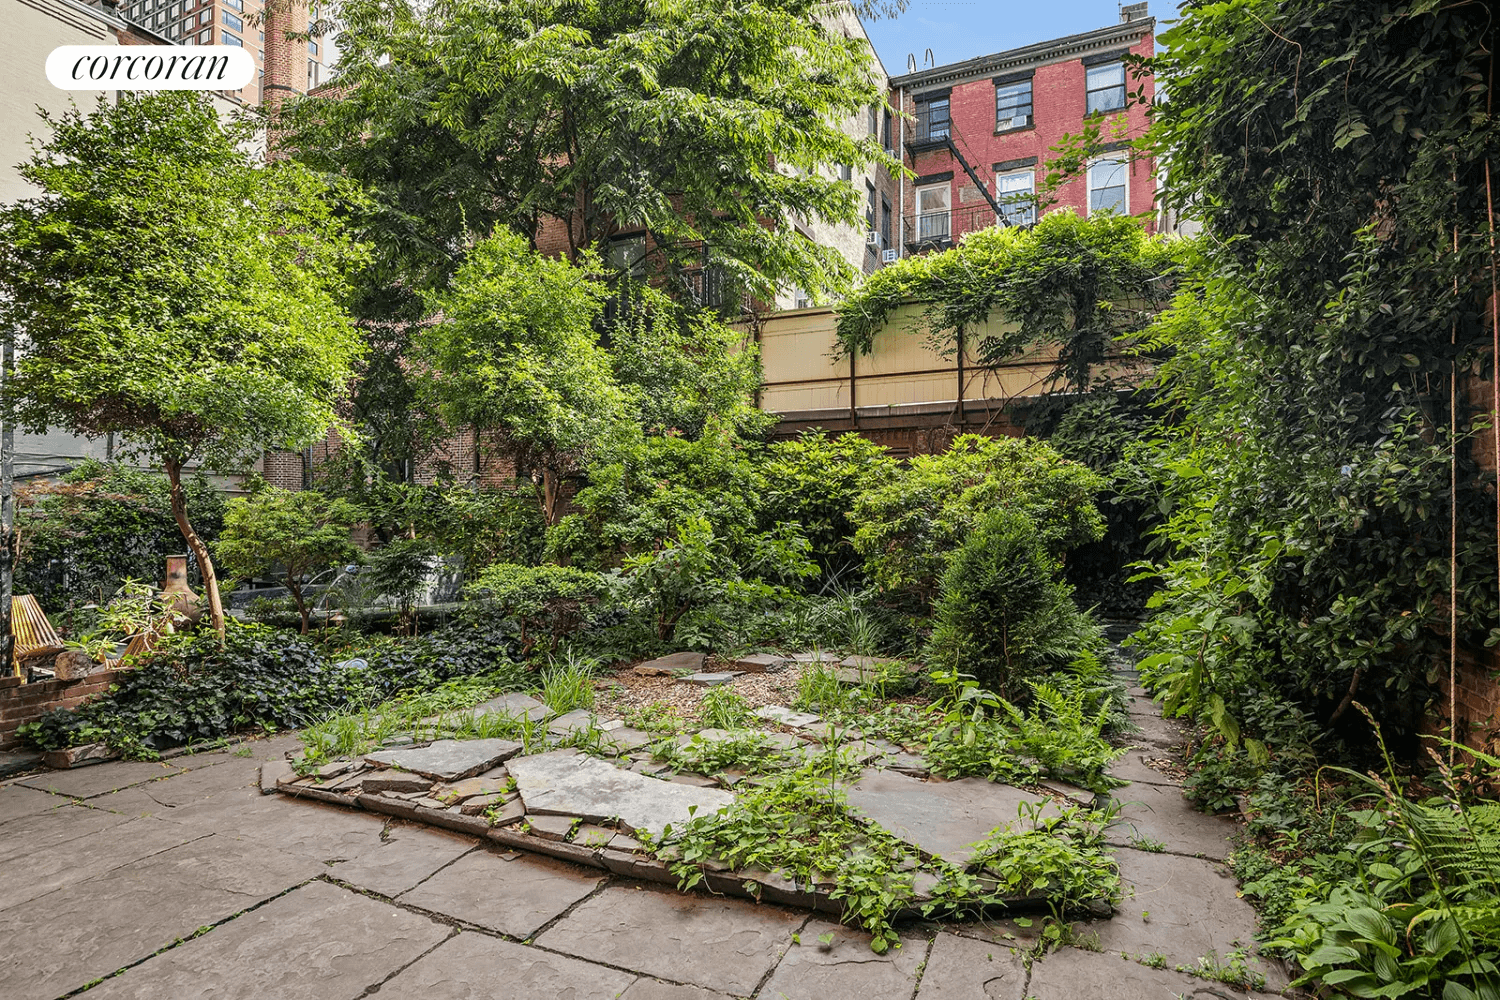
(972, 70)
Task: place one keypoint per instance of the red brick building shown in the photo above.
(981, 132)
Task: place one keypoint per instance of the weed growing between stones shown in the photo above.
(724, 708)
(750, 750)
(569, 685)
(797, 823)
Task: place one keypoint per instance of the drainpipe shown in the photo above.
(901, 211)
(7, 518)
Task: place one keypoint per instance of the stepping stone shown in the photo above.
(960, 968)
(512, 812)
(1154, 731)
(1072, 792)
(1133, 768)
(515, 705)
(591, 835)
(785, 716)
(760, 663)
(1071, 973)
(816, 657)
(859, 662)
(474, 965)
(625, 739)
(566, 725)
(479, 803)
(576, 785)
(448, 760)
(1194, 909)
(517, 897)
(844, 968)
(943, 819)
(672, 664)
(470, 787)
(394, 782)
(778, 741)
(1159, 813)
(712, 679)
(551, 827)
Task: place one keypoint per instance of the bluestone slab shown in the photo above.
(477, 967)
(448, 760)
(960, 968)
(941, 818)
(512, 897)
(566, 784)
(844, 968)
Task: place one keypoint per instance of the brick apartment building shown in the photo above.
(231, 22)
(980, 132)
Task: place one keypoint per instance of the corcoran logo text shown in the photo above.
(150, 67)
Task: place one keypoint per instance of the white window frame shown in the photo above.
(946, 189)
(1089, 91)
(1029, 217)
(1123, 160)
(1030, 105)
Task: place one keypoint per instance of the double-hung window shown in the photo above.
(933, 207)
(1012, 105)
(1108, 182)
(1106, 88)
(934, 120)
(1015, 190)
(227, 39)
(627, 255)
(233, 21)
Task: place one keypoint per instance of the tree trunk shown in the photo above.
(195, 544)
(551, 487)
(296, 589)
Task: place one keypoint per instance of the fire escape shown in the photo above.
(935, 224)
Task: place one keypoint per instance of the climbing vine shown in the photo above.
(1327, 524)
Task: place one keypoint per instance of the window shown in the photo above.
(887, 126)
(626, 255)
(885, 222)
(262, 37)
(175, 10)
(205, 17)
(875, 119)
(934, 120)
(312, 47)
(932, 212)
(1015, 192)
(206, 38)
(869, 207)
(846, 172)
(1107, 177)
(1106, 88)
(238, 5)
(1012, 105)
(233, 21)
(227, 39)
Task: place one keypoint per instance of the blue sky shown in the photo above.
(962, 29)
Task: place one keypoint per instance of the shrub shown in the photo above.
(1002, 614)
(814, 480)
(547, 598)
(909, 527)
(296, 532)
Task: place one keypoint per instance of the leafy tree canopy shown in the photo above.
(173, 292)
(670, 116)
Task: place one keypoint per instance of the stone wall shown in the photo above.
(22, 703)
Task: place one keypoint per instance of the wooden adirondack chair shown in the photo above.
(34, 634)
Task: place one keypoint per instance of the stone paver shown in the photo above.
(712, 678)
(673, 663)
(478, 967)
(1133, 767)
(409, 854)
(100, 779)
(448, 760)
(60, 941)
(960, 968)
(759, 663)
(512, 897)
(1182, 909)
(653, 989)
(565, 784)
(53, 830)
(1159, 813)
(785, 716)
(574, 721)
(45, 867)
(316, 943)
(1154, 731)
(1071, 974)
(721, 944)
(845, 968)
(942, 818)
(18, 800)
(513, 704)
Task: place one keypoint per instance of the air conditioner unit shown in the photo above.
(1021, 121)
(872, 239)
(890, 151)
(888, 257)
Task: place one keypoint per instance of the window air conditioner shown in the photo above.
(872, 238)
(1008, 123)
(888, 257)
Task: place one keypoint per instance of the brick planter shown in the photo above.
(22, 703)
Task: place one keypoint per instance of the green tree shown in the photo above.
(298, 532)
(909, 527)
(173, 292)
(673, 117)
(515, 357)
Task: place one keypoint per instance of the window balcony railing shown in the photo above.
(933, 127)
(940, 230)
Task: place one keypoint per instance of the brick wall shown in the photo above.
(22, 703)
